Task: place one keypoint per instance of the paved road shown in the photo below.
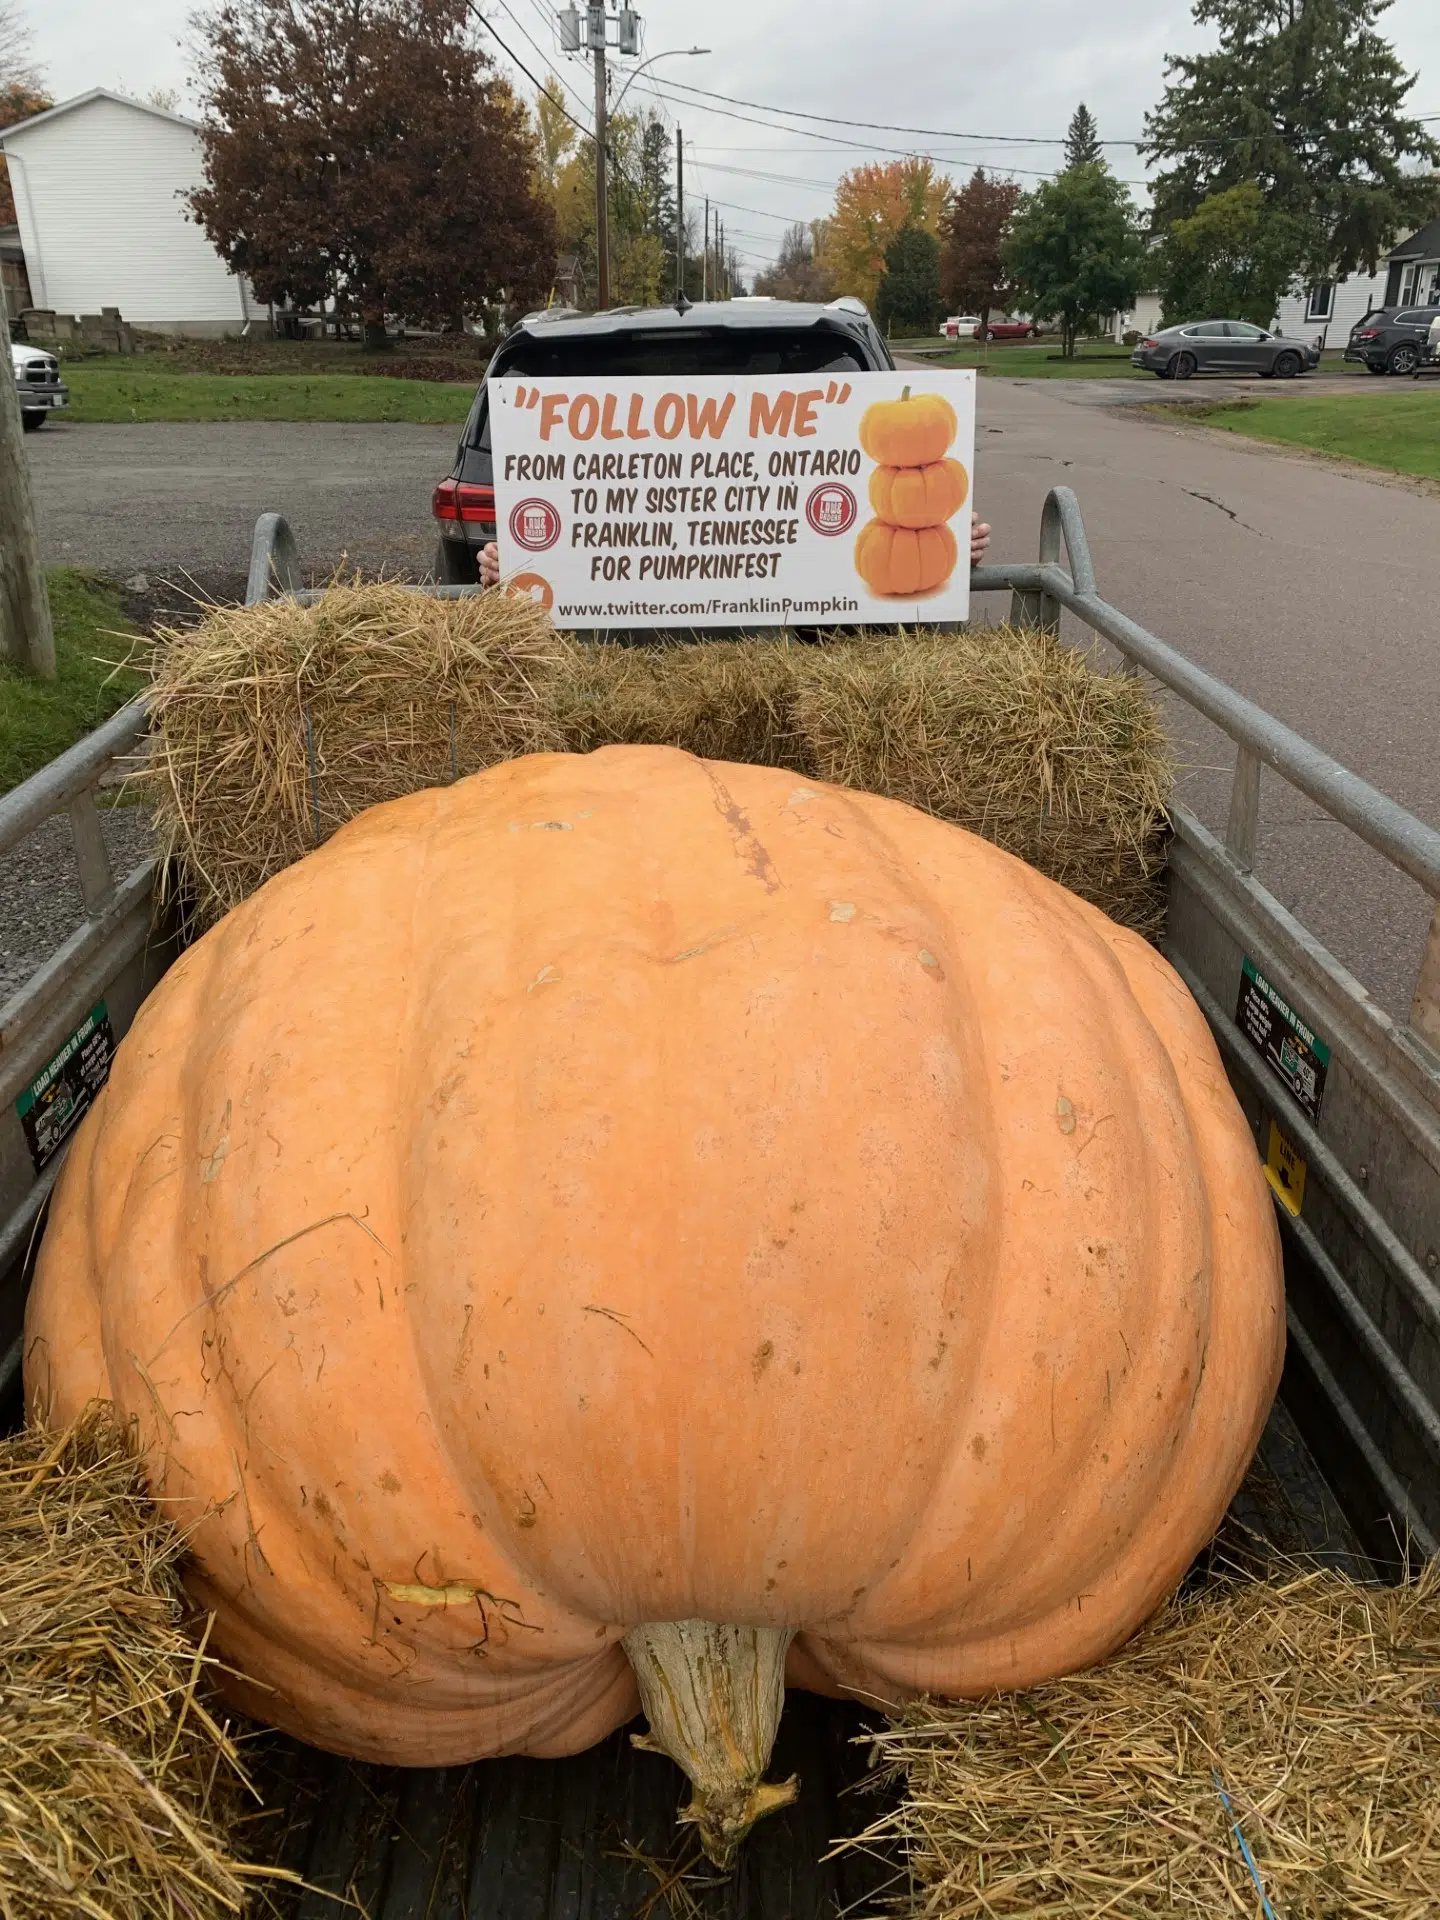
(168, 497)
(1311, 589)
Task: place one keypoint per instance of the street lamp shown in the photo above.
(635, 72)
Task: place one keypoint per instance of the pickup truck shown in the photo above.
(38, 384)
(1344, 1105)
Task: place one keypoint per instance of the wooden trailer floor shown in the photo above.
(547, 1839)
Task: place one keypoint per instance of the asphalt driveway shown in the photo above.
(1311, 589)
(183, 497)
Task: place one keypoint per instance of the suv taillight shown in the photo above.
(462, 500)
(1368, 333)
(1149, 343)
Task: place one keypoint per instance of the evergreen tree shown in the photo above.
(907, 299)
(1306, 99)
(657, 179)
(1082, 139)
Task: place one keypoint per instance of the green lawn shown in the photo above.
(121, 391)
(1094, 360)
(40, 718)
(1400, 431)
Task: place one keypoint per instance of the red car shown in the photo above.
(1015, 330)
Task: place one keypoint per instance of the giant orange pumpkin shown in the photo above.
(903, 560)
(918, 496)
(913, 431)
(631, 1199)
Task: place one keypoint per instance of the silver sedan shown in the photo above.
(1223, 346)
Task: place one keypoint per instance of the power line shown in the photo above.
(936, 133)
(860, 146)
(538, 85)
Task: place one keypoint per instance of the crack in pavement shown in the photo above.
(1211, 501)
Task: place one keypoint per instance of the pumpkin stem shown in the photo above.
(713, 1697)
(906, 394)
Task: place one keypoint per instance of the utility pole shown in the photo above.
(27, 638)
(679, 218)
(602, 190)
(705, 255)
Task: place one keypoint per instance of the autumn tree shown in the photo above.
(1306, 99)
(1075, 250)
(973, 276)
(367, 150)
(21, 93)
(556, 129)
(799, 273)
(641, 208)
(872, 204)
(1082, 139)
(17, 52)
(18, 101)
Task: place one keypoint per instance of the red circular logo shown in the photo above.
(534, 525)
(831, 508)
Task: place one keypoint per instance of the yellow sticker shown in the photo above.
(1285, 1171)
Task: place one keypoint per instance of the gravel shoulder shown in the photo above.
(40, 888)
(179, 500)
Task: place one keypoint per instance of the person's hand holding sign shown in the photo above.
(979, 543)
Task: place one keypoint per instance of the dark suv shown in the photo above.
(730, 336)
(1392, 339)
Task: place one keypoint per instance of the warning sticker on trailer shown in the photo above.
(1293, 1051)
(57, 1100)
(1285, 1171)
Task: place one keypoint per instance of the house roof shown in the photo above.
(84, 99)
(1424, 245)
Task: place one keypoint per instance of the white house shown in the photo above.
(99, 185)
(1326, 313)
(1410, 278)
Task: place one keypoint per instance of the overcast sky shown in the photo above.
(959, 66)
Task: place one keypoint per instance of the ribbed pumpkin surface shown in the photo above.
(625, 1188)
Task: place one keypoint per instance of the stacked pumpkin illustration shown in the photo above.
(915, 491)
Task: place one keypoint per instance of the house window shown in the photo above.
(1420, 286)
(1320, 301)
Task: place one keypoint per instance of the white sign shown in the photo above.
(661, 501)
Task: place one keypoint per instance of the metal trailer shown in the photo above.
(1345, 1107)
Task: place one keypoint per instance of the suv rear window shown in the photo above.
(675, 350)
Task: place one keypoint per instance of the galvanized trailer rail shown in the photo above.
(1362, 1252)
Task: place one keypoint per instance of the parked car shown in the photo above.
(960, 326)
(727, 337)
(38, 383)
(1223, 346)
(1012, 329)
(1392, 339)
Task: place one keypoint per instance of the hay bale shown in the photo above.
(117, 1787)
(276, 724)
(1012, 735)
(721, 699)
(1300, 1711)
